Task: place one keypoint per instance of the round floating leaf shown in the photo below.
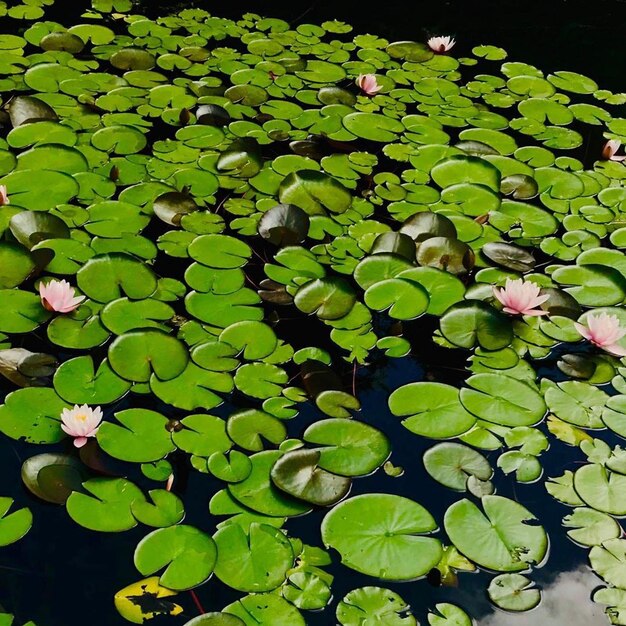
(591, 527)
(609, 561)
(513, 592)
(382, 535)
(373, 126)
(32, 227)
(329, 298)
(167, 509)
(80, 329)
(188, 555)
(449, 615)
(137, 354)
(402, 299)
(466, 169)
(601, 489)
(202, 435)
(443, 288)
(122, 315)
(474, 322)
(509, 256)
(267, 609)
(144, 600)
(314, 192)
(172, 206)
(336, 403)
(27, 109)
(107, 277)
(248, 429)
(499, 539)
(219, 251)
(22, 311)
(53, 477)
(194, 388)
(33, 414)
(348, 448)
(451, 464)
(255, 339)
(374, 605)
(284, 225)
(141, 438)
(77, 382)
(307, 590)
(450, 255)
(503, 400)
(107, 509)
(298, 473)
(252, 561)
(232, 468)
(259, 494)
(431, 410)
(16, 265)
(14, 525)
(260, 380)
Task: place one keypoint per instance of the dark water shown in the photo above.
(61, 574)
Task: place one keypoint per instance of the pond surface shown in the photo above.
(62, 574)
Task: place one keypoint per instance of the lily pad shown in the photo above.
(499, 539)
(187, 554)
(400, 552)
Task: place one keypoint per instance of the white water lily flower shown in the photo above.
(81, 422)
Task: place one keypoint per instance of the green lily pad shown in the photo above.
(137, 354)
(141, 438)
(601, 489)
(22, 311)
(267, 609)
(473, 322)
(187, 554)
(431, 410)
(107, 277)
(449, 615)
(14, 525)
(298, 473)
(513, 592)
(451, 464)
(78, 382)
(348, 448)
(498, 539)
(503, 400)
(400, 552)
(258, 493)
(167, 509)
(590, 527)
(106, 505)
(374, 605)
(252, 561)
(33, 414)
(328, 298)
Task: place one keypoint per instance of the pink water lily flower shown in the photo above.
(81, 422)
(610, 149)
(604, 332)
(520, 298)
(58, 296)
(4, 196)
(441, 44)
(369, 84)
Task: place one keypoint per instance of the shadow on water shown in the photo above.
(61, 574)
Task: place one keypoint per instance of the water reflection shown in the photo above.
(565, 601)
